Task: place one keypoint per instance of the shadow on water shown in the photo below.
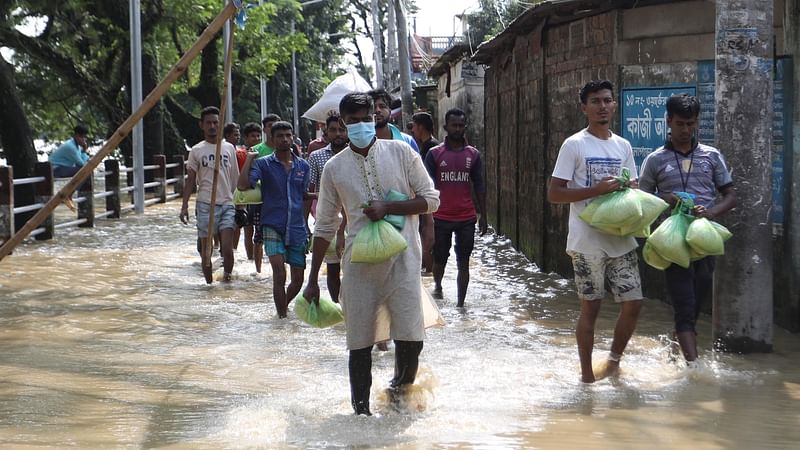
(110, 338)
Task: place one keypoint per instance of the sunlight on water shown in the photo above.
(111, 338)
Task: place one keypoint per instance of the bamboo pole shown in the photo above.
(180, 67)
(209, 248)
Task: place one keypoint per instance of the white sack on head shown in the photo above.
(329, 102)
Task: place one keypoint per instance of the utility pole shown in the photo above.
(791, 29)
(295, 101)
(743, 281)
(263, 85)
(136, 102)
(376, 44)
(390, 73)
(405, 62)
(226, 35)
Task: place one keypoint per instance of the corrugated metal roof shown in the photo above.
(452, 54)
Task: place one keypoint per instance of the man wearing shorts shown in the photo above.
(253, 239)
(337, 136)
(200, 168)
(456, 169)
(284, 187)
(586, 166)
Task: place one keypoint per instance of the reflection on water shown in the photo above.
(110, 338)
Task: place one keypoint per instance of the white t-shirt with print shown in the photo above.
(583, 161)
(201, 160)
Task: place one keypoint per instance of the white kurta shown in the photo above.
(384, 295)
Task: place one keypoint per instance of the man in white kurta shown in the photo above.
(373, 293)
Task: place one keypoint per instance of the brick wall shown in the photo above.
(531, 107)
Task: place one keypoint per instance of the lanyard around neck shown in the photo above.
(684, 182)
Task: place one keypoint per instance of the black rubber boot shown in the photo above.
(360, 365)
(406, 362)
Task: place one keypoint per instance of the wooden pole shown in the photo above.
(123, 130)
(207, 251)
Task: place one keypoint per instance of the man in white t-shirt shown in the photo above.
(586, 166)
(200, 168)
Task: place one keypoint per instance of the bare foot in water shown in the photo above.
(605, 369)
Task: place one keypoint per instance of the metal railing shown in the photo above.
(164, 175)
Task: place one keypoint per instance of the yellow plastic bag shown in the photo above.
(377, 242)
(324, 315)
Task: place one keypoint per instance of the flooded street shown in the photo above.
(110, 338)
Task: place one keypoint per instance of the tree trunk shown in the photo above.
(207, 90)
(17, 138)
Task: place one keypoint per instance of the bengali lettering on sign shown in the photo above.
(781, 126)
(644, 117)
(708, 106)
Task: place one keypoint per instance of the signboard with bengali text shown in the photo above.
(644, 117)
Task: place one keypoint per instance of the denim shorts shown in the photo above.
(224, 218)
(622, 273)
(274, 245)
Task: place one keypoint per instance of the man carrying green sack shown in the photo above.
(320, 314)
(365, 172)
(587, 166)
(685, 168)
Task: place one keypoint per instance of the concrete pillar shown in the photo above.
(44, 192)
(179, 172)
(405, 64)
(86, 207)
(791, 28)
(161, 177)
(6, 203)
(112, 185)
(742, 306)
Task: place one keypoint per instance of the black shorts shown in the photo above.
(443, 237)
(254, 218)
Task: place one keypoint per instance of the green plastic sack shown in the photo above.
(652, 258)
(248, 197)
(704, 238)
(377, 242)
(724, 233)
(669, 239)
(618, 209)
(397, 220)
(324, 315)
(624, 212)
(652, 206)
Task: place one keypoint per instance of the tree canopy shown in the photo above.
(71, 62)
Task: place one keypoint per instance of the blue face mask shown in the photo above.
(361, 134)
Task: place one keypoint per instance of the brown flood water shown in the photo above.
(109, 338)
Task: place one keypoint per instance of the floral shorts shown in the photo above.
(622, 273)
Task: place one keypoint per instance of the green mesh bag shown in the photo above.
(324, 315)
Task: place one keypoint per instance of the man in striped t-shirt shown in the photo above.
(684, 165)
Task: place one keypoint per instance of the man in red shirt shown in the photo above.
(457, 170)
